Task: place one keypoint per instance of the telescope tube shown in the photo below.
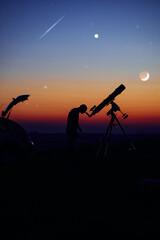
(110, 98)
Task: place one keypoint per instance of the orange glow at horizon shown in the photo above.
(52, 104)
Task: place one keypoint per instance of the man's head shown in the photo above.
(82, 108)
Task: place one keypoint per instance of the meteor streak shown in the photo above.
(51, 27)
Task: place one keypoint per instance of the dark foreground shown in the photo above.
(48, 196)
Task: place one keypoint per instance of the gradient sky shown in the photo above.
(68, 66)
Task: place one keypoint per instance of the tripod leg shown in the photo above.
(101, 148)
(128, 139)
(108, 139)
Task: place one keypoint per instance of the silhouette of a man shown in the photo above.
(73, 126)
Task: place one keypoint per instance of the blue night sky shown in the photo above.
(127, 29)
(128, 43)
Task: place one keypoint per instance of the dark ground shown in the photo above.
(48, 197)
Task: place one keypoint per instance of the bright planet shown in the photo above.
(96, 35)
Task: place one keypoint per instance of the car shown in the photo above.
(15, 143)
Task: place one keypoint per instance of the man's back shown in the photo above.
(72, 121)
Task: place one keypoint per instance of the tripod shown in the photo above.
(102, 152)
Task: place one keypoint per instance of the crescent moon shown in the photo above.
(144, 76)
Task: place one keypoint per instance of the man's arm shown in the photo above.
(78, 126)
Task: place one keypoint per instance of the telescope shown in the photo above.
(107, 101)
(102, 152)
